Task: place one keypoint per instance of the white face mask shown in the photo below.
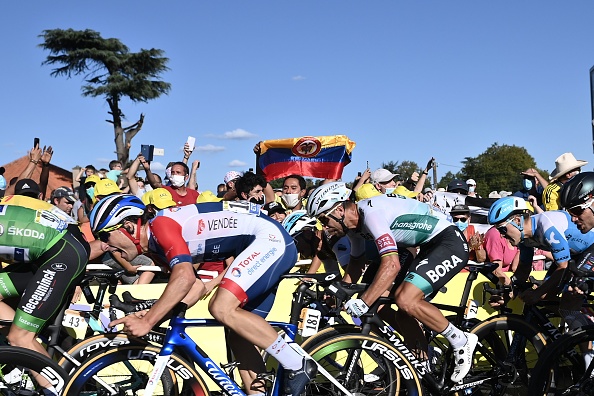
(177, 180)
(291, 200)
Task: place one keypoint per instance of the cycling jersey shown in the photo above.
(555, 232)
(48, 257)
(391, 220)
(206, 232)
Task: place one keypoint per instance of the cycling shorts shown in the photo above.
(45, 283)
(439, 260)
(254, 275)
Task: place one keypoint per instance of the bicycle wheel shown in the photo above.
(125, 371)
(363, 364)
(561, 369)
(508, 350)
(16, 367)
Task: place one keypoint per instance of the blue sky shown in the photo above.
(405, 80)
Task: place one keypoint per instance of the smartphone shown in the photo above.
(367, 165)
(359, 174)
(191, 142)
(35, 142)
(147, 151)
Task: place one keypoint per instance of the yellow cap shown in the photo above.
(160, 197)
(105, 187)
(367, 190)
(401, 190)
(92, 179)
(208, 196)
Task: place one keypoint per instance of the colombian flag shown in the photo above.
(321, 157)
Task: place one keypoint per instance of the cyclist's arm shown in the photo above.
(388, 269)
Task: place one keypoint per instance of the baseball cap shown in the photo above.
(231, 175)
(471, 182)
(27, 187)
(105, 187)
(457, 185)
(382, 176)
(460, 209)
(64, 192)
(273, 207)
(92, 179)
(160, 197)
(208, 196)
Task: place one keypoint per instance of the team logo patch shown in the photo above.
(201, 226)
(58, 267)
(307, 147)
(385, 241)
(236, 272)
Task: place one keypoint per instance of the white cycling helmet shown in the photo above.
(297, 221)
(110, 212)
(325, 197)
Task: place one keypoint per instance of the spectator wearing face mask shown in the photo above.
(532, 184)
(472, 188)
(293, 193)
(180, 173)
(385, 181)
(461, 218)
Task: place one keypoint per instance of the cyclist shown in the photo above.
(390, 220)
(180, 236)
(47, 256)
(577, 196)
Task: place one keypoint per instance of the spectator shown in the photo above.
(158, 199)
(275, 210)
(472, 188)
(63, 198)
(105, 187)
(294, 188)
(2, 181)
(566, 166)
(531, 185)
(230, 179)
(28, 188)
(502, 252)
(384, 180)
(254, 188)
(461, 216)
(115, 170)
(221, 190)
(180, 173)
(208, 196)
(85, 172)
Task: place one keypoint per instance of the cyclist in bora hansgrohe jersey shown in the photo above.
(390, 220)
(181, 236)
(47, 255)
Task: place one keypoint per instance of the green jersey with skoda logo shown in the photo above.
(26, 233)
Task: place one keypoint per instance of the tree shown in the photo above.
(110, 71)
(498, 168)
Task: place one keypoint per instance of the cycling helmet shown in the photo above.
(505, 207)
(297, 221)
(109, 213)
(577, 190)
(325, 197)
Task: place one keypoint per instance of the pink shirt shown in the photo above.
(499, 249)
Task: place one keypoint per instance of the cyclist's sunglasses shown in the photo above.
(103, 235)
(503, 227)
(324, 219)
(577, 210)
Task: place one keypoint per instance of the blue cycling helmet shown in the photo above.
(109, 213)
(504, 208)
(297, 221)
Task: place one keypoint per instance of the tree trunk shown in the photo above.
(122, 136)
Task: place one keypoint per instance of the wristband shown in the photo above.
(34, 161)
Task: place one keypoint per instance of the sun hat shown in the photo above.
(105, 187)
(208, 196)
(231, 175)
(565, 163)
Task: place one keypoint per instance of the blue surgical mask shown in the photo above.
(527, 184)
(91, 192)
(462, 225)
(390, 190)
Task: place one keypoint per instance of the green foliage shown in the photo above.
(498, 168)
(447, 178)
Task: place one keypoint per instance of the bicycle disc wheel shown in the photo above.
(16, 372)
(363, 364)
(508, 350)
(125, 371)
(561, 370)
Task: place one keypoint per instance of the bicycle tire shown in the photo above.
(561, 368)
(23, 360)
(380, 369)
(127, 368)
(511, 373)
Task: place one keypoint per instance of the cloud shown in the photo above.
(210, 148)
(236, 134)
(298, 78)
(237, 164)
(157, 166)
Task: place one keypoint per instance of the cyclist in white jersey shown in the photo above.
(262, 252)
(390, 220)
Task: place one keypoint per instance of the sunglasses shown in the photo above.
(324, 219)
(462, 219)
(577, 210)
(503, 227)
(103, 235)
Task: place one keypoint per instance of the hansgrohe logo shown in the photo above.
(420, 223)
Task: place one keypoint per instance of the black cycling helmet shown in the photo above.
(577, 190)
